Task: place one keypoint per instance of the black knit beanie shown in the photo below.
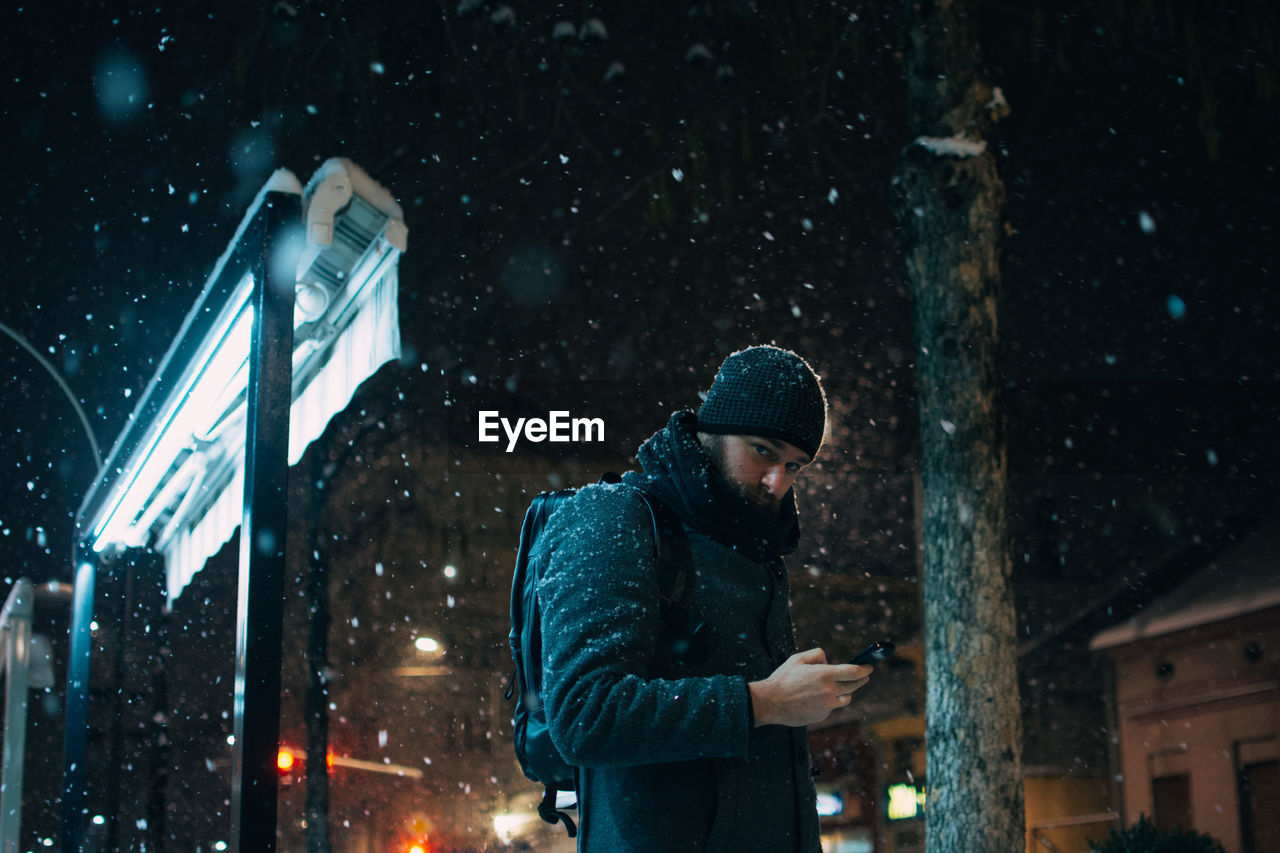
(769, 392)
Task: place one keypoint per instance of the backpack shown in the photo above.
(538, 756)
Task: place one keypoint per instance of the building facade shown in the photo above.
(1196, 701)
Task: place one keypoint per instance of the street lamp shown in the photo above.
(62, 385)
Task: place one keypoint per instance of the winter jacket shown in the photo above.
(669, 760)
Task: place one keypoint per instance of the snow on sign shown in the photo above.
(175, 479)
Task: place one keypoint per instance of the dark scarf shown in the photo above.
(679, 472)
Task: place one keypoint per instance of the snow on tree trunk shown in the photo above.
(951, 204)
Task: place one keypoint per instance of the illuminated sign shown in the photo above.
(905, 801)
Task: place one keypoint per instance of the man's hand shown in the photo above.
(805, 690)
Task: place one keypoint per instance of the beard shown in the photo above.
(756, 497)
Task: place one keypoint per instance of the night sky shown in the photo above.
(1139, 320)
(598, 215)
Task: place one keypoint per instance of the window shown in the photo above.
(1260, 806)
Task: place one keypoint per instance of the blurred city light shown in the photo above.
(830, 804)
(510, 825)
(905, 801)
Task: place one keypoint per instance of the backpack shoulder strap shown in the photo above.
(675, 567)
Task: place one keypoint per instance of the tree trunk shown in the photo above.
(951, 205)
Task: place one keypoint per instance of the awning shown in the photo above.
(174, 481)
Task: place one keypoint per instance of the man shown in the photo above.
(704, 751)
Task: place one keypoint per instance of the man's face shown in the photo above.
(761, 469)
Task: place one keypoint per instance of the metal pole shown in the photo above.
(262, 536)
(75, 737)
(15, 625)
(317, 700)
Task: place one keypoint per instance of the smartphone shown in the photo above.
(873, 653)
